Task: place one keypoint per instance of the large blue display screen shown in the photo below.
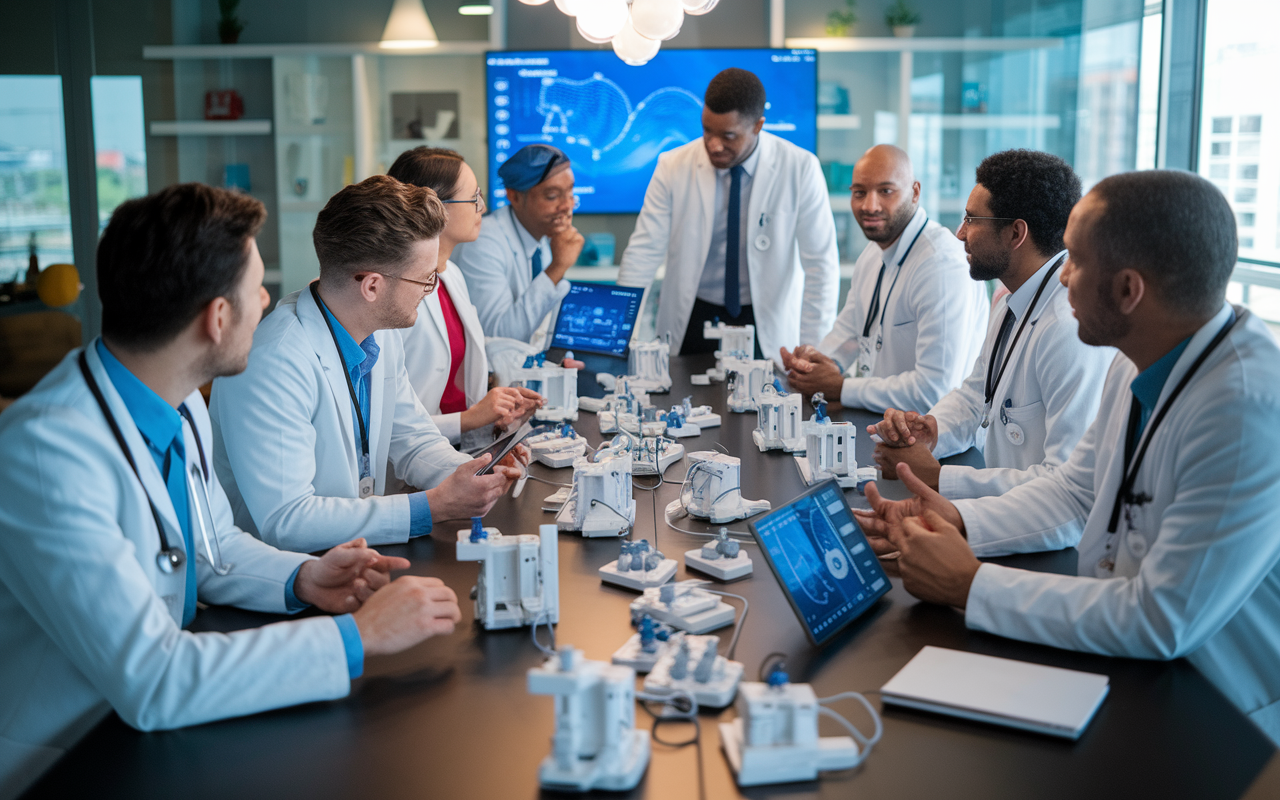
(613, 120)
(822, 560)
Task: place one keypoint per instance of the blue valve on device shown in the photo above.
(778, 677)
(819, 402)
(777, 385)
(477, 530)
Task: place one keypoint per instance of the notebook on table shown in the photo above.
(1049, 700)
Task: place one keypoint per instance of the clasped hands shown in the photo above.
(810, 371)
(921, 539)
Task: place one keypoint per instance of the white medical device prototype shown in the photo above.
(596, 744)
(557, 385)
(781, 420)
(691, 665)
(712, 490)
(600, 502)
(775, 737)
(519, 575)
(722, 558)
(685, 606)
(653, 454)
(557, 448)
(649, 366)
(643, 649)
(746, 379)
(735, 341)
(639, 566)
(829, 449)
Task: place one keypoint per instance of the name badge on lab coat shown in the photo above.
(866, 357)
(366, 487)
(1013, 431)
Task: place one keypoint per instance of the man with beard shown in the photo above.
(1035, 389)
(911, 326)
(1174, 482)
(304, 438)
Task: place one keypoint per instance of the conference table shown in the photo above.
(452, 718)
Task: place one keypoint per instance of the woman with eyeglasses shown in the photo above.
(444, 350)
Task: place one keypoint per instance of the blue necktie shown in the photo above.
(537, 262)
(175, 480)
(733, 242)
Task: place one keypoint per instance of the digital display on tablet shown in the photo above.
(502, 446)
(597, 318)
(822, 559)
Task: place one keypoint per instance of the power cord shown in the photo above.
(865, 743)
(737, 628)
(682, 707)
(550, 651)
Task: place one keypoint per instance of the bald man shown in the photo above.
(913, 322)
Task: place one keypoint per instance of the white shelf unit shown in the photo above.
(216, 51)
(211, 127)
(839, 122)
(936, 44)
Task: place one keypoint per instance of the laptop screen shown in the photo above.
(597, 318)
(822, 560)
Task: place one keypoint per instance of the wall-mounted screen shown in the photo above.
(613, 120)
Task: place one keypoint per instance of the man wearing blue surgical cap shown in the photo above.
(515, 269)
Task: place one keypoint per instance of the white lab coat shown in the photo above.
(1195, 569)
(427, 355)
(792, 262)
(285, 440)
(934, 319)
(498, 266)
(1053, 380)
(87, 620)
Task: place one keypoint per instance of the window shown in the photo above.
(35, 215)
(1222, 124)
(1246, 242)
(1219, 171)
(1248, 172)
(1250, 148)
(1221, 148)
(1252, 124)
(1246, 195)
(1245, 219)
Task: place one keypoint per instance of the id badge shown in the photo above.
(866, 357)
(366, 487)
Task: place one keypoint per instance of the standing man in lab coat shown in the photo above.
(305, 437)
(1035, 388)
(912, 324)
(742, 221)
(113, 525)
(1174, 482)
(515, 269)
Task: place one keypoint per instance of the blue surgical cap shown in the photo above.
(530, 166)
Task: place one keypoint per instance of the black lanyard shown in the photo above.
(174, 558)
(992, 385)
(875, 296)
(346, 373)
(1124, 494)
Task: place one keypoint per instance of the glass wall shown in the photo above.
(34, 211)
(1240, 138)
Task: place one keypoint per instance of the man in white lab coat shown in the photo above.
(742, 221)
(515, 268)
(1174, 482)
(305, 437)
(113, 525)
(1034, 389)
(912, 324)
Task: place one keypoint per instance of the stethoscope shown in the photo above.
(993, 378)
(169, 559)
(875, 296)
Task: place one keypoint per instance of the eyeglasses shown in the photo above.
(428, 286)
(478, 200)
(969, 220)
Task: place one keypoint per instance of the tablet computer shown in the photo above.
(597, 318)
(503, 445)
(823, 562)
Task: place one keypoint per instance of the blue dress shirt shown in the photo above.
(359, 360)
(1150, 383)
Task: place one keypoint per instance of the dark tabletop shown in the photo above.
(452, 717)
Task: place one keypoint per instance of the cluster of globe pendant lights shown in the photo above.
(637, 28)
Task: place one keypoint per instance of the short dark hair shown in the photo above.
(1038, 188)
(166, 256)
(1173, 227)
(374, 224)
(436, 168)
(736, 90)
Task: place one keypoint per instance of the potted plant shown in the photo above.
(229, 25)
(902, 19)
(840, 22)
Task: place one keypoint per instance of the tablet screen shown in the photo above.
(822, 560)
(597, 318)
(502, 446)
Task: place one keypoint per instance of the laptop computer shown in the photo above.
(822, 560)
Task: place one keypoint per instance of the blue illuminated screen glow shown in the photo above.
(597, 318)
(613, 120)
(822, 560)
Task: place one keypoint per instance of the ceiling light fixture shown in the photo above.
(408, 27)
(637, 28)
